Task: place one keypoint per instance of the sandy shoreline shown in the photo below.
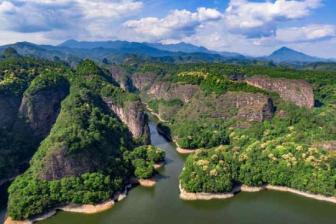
(184, 195)
(159, 165)
(182, 150)
(151, 182)
(188, 196)
(83, 209)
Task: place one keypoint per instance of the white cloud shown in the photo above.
(306, 33)
(260, 18)
(177, 23)
(108, 9)
(89, 18)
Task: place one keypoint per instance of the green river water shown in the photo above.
(161, 204)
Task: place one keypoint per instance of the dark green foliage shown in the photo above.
(85, 130)
(88, 68)
(143, 159)
(201, 134)
(30, 197)
(46, 81)
(10, 52)
(118, 95)
(16, 75)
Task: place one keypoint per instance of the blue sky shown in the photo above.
(252, 27)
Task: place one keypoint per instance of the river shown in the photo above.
(161, 204)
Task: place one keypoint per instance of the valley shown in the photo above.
(86, 132)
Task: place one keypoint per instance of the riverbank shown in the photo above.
(150, 182)
(183, 151)
(189, 196)
(158, 166)
(74, 208)
(184, 195)
(155, 114)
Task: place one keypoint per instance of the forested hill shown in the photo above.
(84, 137)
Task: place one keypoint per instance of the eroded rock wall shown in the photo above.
(41, 109)
(298, 92)
(132, 114)
(169, 91)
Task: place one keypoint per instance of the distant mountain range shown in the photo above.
(117, 51)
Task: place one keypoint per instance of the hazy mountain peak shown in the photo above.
(285, 54)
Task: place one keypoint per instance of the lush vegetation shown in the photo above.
(94, 150)
(254, 163)
(48, 80)
(143, 159)
(17, 75)
(201, 134)
(283, 151)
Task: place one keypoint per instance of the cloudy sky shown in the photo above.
(253, 27)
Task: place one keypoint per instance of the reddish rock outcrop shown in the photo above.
(132, 114)
(168, 91)
(251, 106)
(120, 76)
(327, 145)
(298, 92)
(242, 105)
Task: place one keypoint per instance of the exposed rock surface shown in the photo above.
(243, 105)
(251, 106)
(143, 81)
(41, 109)
(168, 91)
(60, 164)
(9, 106)
(133, 115)
(327, 145)
(120, 76)
(298, 92)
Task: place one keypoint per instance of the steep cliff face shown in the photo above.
(41, 109)
(132, 114)
(242, 105)
(168, 91)
(60, 164)
(251, 107)
(142, 81)
(298, 92)
(9, 106)
(121, 77)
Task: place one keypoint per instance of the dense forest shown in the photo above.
(87, 156)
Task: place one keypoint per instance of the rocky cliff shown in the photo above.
(142, 81)
(298, 92)
(169, 91)
(242, 105)
(251, 106)
(121, 77)
(132, 114)
(41, 109)
(59, 164)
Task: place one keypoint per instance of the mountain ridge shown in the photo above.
(117, 50)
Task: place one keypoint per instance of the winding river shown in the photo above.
(161, 204)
